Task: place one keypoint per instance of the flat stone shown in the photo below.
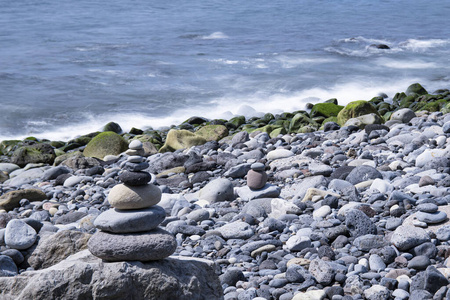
(267, 191)
(322, 212)
(279, 153)
(135, 178)
(122, 196)
(420, 262)
(236, 230)
(431, 218)
(258, 167)
(135, 159)
(298, 243)
(426, 180)
(19, 235)
(144, 246)
(128, 221)
(427, 207)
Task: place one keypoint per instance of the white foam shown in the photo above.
(292, 62)
(406, 64)
(215, 36)
(423, 45)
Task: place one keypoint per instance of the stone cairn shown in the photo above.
(256, 176)
(129, 231)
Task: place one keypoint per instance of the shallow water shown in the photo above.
(69, 67)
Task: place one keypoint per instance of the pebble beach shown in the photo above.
(336, 202)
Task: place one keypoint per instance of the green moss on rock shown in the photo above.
(181, 139)
(416, 88)
(112, 126)
(325, 110)
(355, 109)
(212, 132)
(37, 153)
(106, 143)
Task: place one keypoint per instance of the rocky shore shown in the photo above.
(331, 203)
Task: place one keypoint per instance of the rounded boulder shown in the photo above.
(123, 196)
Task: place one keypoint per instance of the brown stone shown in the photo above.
(256, 180)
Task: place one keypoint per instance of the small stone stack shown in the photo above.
(129, 231)
(256, 177)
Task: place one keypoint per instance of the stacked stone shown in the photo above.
(129, 231)
(256, 177)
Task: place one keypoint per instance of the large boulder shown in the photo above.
(57, 247)
(11, 200)
(37, 153)
(83, 276)
(181, 139)
(300, 120)
(106, 143)
(355, 109)
(416, 88)
(212, 132)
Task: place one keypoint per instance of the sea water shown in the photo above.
(68, 67)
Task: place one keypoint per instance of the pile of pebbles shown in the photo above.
(344, 213)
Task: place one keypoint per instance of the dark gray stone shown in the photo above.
(363, 173)
(7, 266)
(135, 178)
(358, 223)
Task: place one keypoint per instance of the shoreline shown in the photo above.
(356, 210)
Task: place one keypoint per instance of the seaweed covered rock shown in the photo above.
(106, 143)
(37, 153)
(356, 109)
(416, 88)
(212, 132)
(325, 110)
(181, 139)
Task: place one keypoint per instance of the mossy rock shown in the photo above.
(249, 128)
(307, 128)
(112, 126)
(416, 88)
(268, 117)
(181, 139)
(325, 110)
(212, 132)
(298, 121)
(7, 147)
(376, 100)
(237, 121)
(318, 120)
(277, 131)
(259, 122)
(106, 143)
(407, 101)
(31, 138)
(268, 128)
(355, 109)
(387, 116)
(136, 131)
(432, 106)
(57, 144)
(37, 153)
(397, 98)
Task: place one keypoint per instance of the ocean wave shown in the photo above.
(416, 45)
(215, 36)
(406, 64)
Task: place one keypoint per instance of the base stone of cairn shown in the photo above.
(129, 231)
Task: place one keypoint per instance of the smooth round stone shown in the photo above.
(135, 159)
(123, 221)
(427, 207)
(123, 196)
(420, 262)
(19, 235)
(256, 180)
(134, 167)
(135, 178)
(135, 145)
(144, 246)
(258, 167)
(431, 218)
(322, 212)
